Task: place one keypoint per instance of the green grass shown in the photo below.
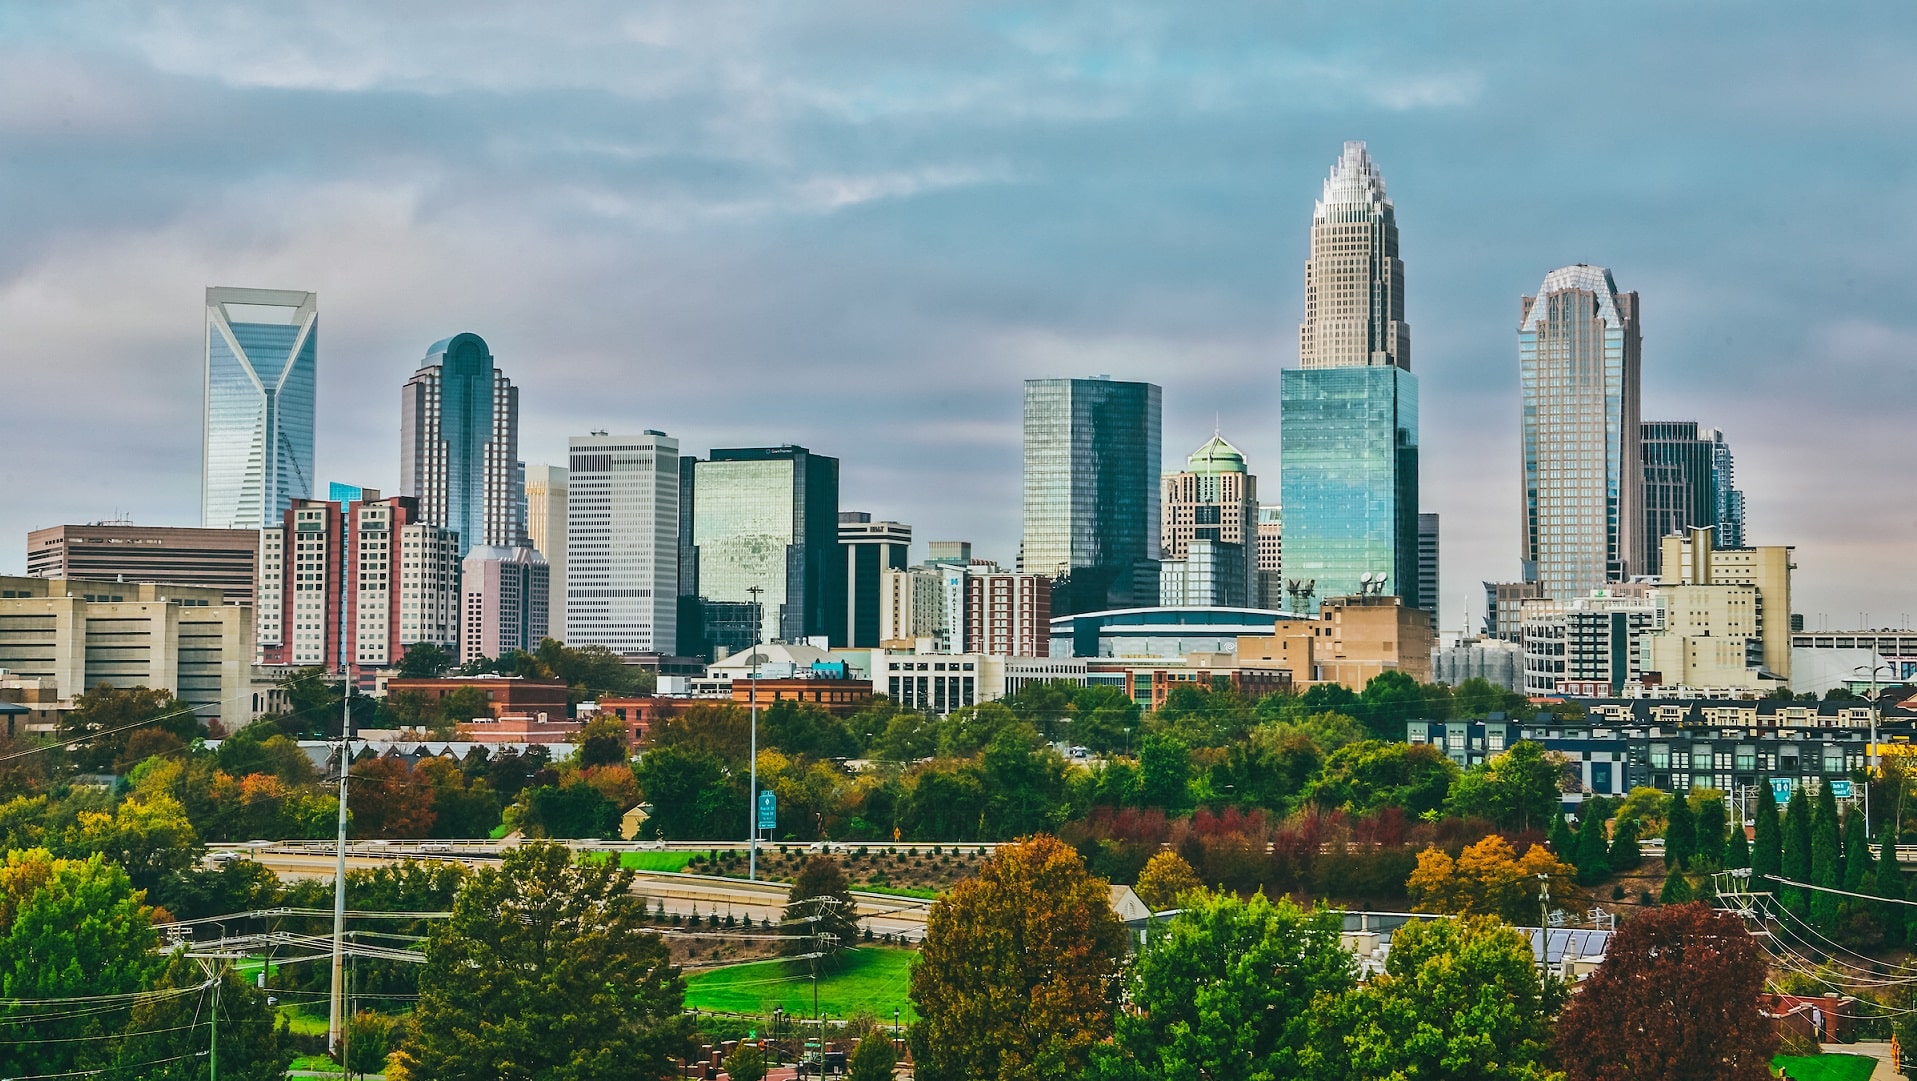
(901, 891)
(306, 1024)
(874, 979)
(655, 861)
(1827, 1067)
(316, 1064)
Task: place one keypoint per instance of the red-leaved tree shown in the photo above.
(1677, 999)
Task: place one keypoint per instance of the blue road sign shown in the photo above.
(768, 809)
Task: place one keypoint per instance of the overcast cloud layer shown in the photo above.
(858, 226)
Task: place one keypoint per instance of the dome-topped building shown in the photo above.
(1216, 456)
(1210, 523)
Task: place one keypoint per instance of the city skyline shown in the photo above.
(1188, 274)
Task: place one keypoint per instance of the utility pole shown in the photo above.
(335, 1029)
(752, 788)
(213, 1048)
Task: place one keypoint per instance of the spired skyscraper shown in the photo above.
(459, 445)
(262, 348)
(1091, 491)
(1578, 355)
(1348, 478)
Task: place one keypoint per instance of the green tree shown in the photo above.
(574, 809)
(1363, 777)
(1593, 855)
(1019, 972)
(369, 1039)
(1677, 888)
(1165, 878)
(746, 1063)
(108, 717)
(1857, 858)
(820, 904)
(1459, 1000)
(1709, 818)
(149, 837)
(425, 660)
(1478, 697)
(1767, 839)
(691, 793)
(168, 1034)
(69, 929)
(1518, 789)
(1737, 850)
(461, 705)
(1563, 841)
(546, 969)
(1229, 988)
(1625, 854)
(1648, 807)
(1680, 834)
(1888, 882)
(1164, 767)
(1827, 867)
(872, 1060)
(1025, 786)
(1797, 851)
(1390, 699)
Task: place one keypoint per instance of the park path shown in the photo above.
(1886, 1069)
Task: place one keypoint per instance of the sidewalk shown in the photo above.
(1886, 1069)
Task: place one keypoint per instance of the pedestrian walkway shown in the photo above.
(1886, 1068)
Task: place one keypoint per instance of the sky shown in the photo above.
(858, 226)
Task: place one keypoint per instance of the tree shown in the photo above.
(166, 1036)
(106, 717)
(1228, 988)
(1563, 842)
(746, 1063)
(1827, 868)
(873, 1060)
(1680, 833)
(462, 705)
(546, 969)
(574, 809)
(1677, 888)
(1684, 983)
(1593, 854)
(1737, 849)
(389, 799)
(1164, 768)
(1888, 883)
(147, 836)
(1018, 975)
(1165, 878)
(1707, 807)
(820, 904)
(1487, 878)
(1519, 789)
(1625, 854)
(1646, 806)
(69, 929)
(692, 795)
(1857, 858)
(1363, 777)
(1389, 700)
(1767, 841)
(369, 1039)
(1797, 851)
(1459, 999)
(425, 660)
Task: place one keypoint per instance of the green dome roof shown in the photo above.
(1216, 456)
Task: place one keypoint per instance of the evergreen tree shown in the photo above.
(1625, 855)
(1680, 833)
(1677, 888)
(1737, 850)
(1592, 860)
(1888, 881)
(1710, 833)
(1767, 844)
(1564, 843)
(1797, 851)
(1827, 867)
(1857, 861)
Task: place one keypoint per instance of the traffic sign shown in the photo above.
(768, 809)
(1840, 789)
(1781, 788)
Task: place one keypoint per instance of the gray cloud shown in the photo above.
(859, 225)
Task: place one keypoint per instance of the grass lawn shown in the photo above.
(872, 978)
(1827, 1067)
(901, 891)
(655, 861)
(316, 1064)
(306, 1024)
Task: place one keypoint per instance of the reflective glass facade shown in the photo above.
(1092, 460)
(262, 348)
(769, 517)
(1578, 355)
(459, 445)
(1349, 477)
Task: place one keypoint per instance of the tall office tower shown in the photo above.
(694, 641)
(1578, 354)
(503, 592)
(869, 549)
(1354, 280)
(913, 605)
(262, 349)
(361, 581)
(1008, 615)
(1730, 499)
(1679, 484)
(222, 559)
(622, 542)
(1271, 558)
(1214, 503)
(1427, 598)
(769, 517)
(546, 528)
(1092, 457)
(459, 444)
(1348, 473)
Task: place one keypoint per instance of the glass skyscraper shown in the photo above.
(1578, 355)
(1730, 498)
(1092, 460)
(769, 517)
(1348, 478)
(262, 348)
(459, 445)
(621, 538)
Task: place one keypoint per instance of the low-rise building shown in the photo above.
(504, 694)
(1494, 660)
(1352, 640)
(222, 559)
(1165, 633)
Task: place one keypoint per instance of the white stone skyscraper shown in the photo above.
(546, 528)
(1578, 355)
(459, 445)
(622, 542)
(1354, 280)
(262, 348)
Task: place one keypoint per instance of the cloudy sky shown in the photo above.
(858, 226)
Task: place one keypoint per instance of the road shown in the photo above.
(685, 894)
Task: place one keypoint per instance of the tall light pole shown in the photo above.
(752, 788)
(335, 1028)
(1871, 758)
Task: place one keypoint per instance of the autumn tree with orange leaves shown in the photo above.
(1019, 974)
(1489, 879)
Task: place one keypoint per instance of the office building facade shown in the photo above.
(1730, 499)
(546, 487)
(504, 599)
(1427, 598)
(1579, 360)
(1348, 474)
(223, 559)
(1680, 483)
(1008, 615)
(1271, 558)
(262, 357)
(1213, 503)
(869, 550)
(1091, 510)
(459, 445)
(622, 542)
(768, 517)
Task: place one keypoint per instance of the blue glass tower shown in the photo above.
(459, 445)
(262, 348)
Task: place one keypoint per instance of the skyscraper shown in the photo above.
(459, 445)
(1680, 488)
(1213, 504)
(504, 602)
(1730, 498)
(769, 517)
(1427, 598)
(622, 542)
(1578, 353)
(1271, 558)
(1348, 474)
(546, 528)
(262, 348)
(868, 549)
(1092, 456)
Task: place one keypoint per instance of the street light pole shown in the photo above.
(752, 788)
